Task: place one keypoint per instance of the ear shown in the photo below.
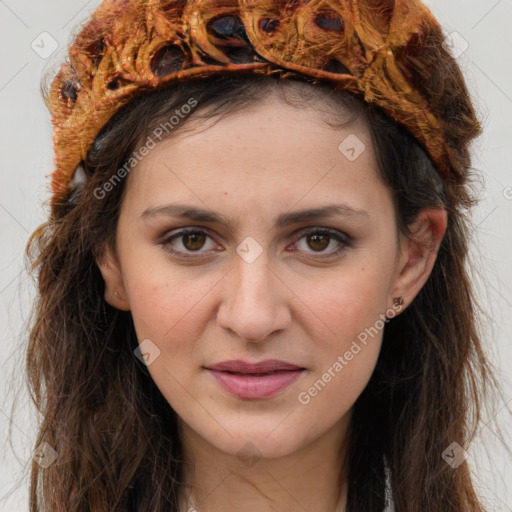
(111, 271)
(418, 254)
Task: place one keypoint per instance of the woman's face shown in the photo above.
(263, 281)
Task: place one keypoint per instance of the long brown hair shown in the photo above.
(114, 432)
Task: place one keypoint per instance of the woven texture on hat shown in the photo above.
(389, 52)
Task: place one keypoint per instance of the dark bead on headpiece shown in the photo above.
(167, 60)
(269, 24)
(69, 90)
(329, 21)
(229, 27)
(113, 85)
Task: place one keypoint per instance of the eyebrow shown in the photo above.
(283, 220)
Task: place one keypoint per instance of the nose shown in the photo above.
(254, 301)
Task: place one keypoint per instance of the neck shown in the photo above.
(313, 478)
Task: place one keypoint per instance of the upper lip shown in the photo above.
(241, 366)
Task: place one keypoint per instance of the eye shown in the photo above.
(319, 239)
(192, 240)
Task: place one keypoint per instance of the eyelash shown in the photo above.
(341, 238)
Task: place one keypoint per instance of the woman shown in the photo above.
(253, 292)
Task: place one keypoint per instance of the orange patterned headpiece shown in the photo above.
(389, 52)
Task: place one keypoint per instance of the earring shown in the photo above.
(398, 301)
(116, 294)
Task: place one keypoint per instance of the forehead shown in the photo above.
(262, 155)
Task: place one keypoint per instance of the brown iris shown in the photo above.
(317, 238)
(196, 239)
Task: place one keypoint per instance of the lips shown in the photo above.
(261, 367)
(253, 381)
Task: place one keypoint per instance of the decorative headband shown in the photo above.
(389, 52)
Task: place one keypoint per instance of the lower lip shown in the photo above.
(254, 387)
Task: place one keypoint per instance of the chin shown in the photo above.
(249, 449)
(256, 438)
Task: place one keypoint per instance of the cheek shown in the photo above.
(345, 327)
(168, 307)
(344, 302)
(345, 346)
(172, 312)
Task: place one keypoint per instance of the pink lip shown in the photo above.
(250, 386)
(245, 367)
(261, 379)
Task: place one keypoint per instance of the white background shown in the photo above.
(26, 157)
